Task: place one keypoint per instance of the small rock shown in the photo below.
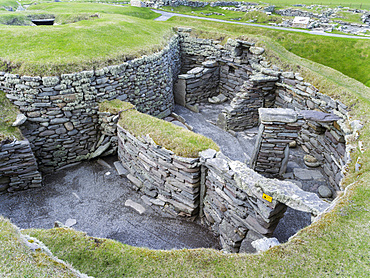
(325, 192)
(70, 222)
(21, 118)
(120, 169)
(103, 163)
(293, 144)
(256, 50)
(265, 243)
(194, 108)
(139, 208)
(311, 161)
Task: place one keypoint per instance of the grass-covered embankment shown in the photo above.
(120, 33)
(17, 260)
(181, 141)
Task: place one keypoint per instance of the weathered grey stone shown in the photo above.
(311, 161)
(305, 174)
(325, 191)
(265, 243)
(139, 208)
(70, 222)
(120, 169)
(277, 115)
(21, 118)
(256, 50)
(318, 116)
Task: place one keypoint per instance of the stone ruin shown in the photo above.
(239, 202)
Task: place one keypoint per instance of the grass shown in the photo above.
(348, 56)
(335, 246)
(8, 114)
(172, 137)
(119, 34)
(358, 4)
(260, 17)
(19, 261)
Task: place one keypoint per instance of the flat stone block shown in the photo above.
(278, 115)
(305, 174)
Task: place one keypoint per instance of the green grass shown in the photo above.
(8, 3)
(172, 137)
(119, 34)
(260, 17)
(349, 56)
(17, 260)
(336, 246)
(363, 4)
(8, 114)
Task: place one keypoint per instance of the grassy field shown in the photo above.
(172, 137)
(358, 4)
(119, 34)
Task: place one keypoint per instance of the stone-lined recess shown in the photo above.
(18, 167)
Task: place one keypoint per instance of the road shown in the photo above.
(166, 15)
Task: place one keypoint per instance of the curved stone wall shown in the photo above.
(62, 120)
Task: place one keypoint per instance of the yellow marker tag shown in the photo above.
(267, 197)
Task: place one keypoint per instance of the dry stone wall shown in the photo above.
(198, 84)
(18, 167)
(278, 128)
(62, 121)
(166, 180)
(240, 205)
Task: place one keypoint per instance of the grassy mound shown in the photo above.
(172, 137)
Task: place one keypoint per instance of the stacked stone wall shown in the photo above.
(18, 167)
(241, 206)
(198, 84)
(278, 128)
(324, 139)
(62, 122)
(167, 181)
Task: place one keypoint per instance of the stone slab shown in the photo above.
(139, 208)
(278, 115)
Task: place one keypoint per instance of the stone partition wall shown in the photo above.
(241, 206)
(278, 128)
(62, 122)
(18, 167)
(322, 137)
(242, 113)
(166, 180)
(198, 84)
